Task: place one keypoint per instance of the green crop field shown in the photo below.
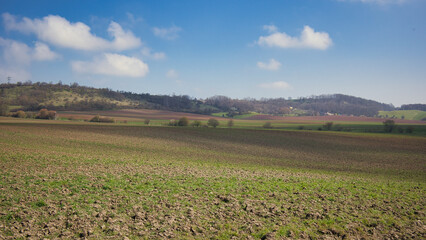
(162, 118)
(405, 114)
(66, 179)
(242, 116)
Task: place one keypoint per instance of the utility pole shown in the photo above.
(8, 79)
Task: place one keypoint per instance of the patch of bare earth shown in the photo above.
(136, 114)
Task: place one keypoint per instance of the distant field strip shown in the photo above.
(406, 114)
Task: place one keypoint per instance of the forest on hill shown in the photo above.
(30, 96)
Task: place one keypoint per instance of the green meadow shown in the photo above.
(404, 114)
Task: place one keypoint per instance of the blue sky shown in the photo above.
(374, 49)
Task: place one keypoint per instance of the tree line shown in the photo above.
(421, 107)
(35, 96)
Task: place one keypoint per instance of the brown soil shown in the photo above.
(136, 114)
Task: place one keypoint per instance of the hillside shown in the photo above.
(404, 114)
(61, 97)
(31, 97)
(333, 104)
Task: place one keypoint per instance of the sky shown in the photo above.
(374, 49)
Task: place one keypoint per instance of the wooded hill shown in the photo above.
(34, 96)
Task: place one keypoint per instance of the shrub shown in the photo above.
(107, 120)
(31, 115)
(183, 122)
(51, 115)
(173, 122)
(3, 109)
(46, 114)
(301, 127)
(230, 123)
(267, 125)
(98, 118)
(196, 123)
(410, 129)
(146, 121)
(328, 126)
(389, 125)
(43, 114)
(19, 114)
(95, 118)
(213, 122)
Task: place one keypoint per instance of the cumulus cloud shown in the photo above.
(172, 74)
(59, 31)
(42, 52)
(112, 64)
(15, 52)
(18, 53)
(307, 39)
(272, 65)
(146, 52)
(167, 33)
(122, 39)
(16, 57)
(280, 85)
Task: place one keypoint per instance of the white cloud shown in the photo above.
(172, 74)
(146, 52)
(133, 19)
(18, 53)
(122, 39)
(112, 64)
(308, 39)
(167, 33)
(272, 65)
(59, 31)
(17, 57)
(280, 85)
(42, 52)
(270, 28)
(15, 53)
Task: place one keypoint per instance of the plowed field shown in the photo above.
(140, 114)
(100, 181)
